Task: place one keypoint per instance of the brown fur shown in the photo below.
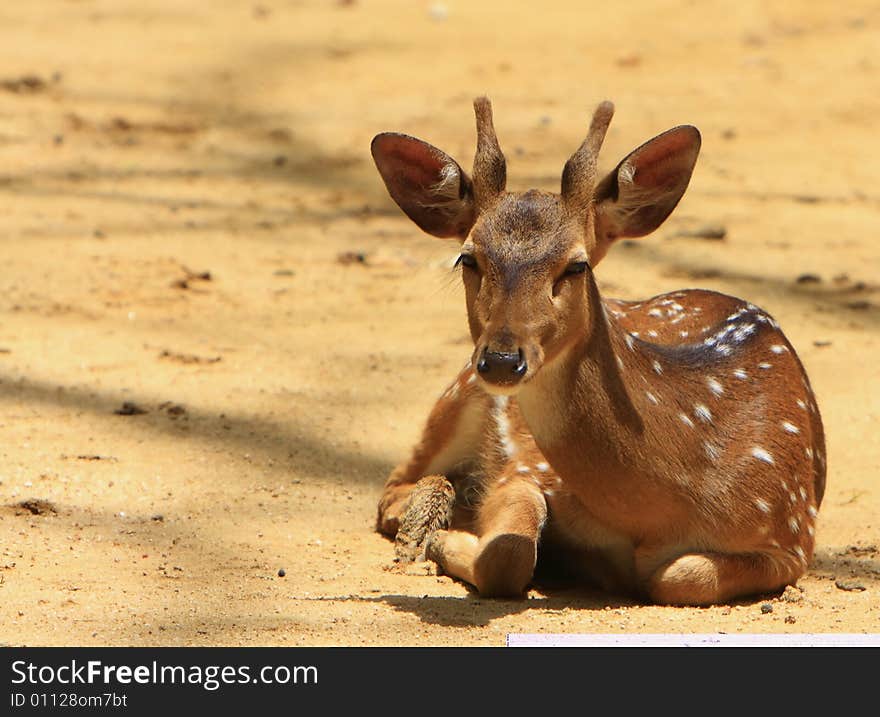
(685, 463)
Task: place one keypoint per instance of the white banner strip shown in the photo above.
(823, 639)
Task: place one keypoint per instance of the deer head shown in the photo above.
(527, 257)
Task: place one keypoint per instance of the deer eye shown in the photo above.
(577, 267)
(467, 260)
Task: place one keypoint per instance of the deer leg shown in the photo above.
(711, 578)
(429, 509)
(500, 559)
(450, 440)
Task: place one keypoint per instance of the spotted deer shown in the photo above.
(669, 448)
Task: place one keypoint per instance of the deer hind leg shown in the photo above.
(711, 578)
(500, 558)
(450, 442)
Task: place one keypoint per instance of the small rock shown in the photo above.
(792, 594)
(129, 409)
(421, 568)
(790, 619)
(766, 608)
(37, 506)
(849, 585)
(809, 279)
(175, 410)
(282, 573)
(351, 257)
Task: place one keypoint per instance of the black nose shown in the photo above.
(498, 367)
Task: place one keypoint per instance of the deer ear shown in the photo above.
(644, 188)
(426, 183)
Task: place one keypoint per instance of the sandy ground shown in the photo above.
(182, 183)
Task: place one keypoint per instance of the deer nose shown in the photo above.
(498, 367)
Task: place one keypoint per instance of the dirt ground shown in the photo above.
(192, 227)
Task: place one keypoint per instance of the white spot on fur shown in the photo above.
(714, 385)
(683, 334)
(655, 312)
(778, 348)
(522, 469)
(658, 369)
(743, 332)
(764, 365)
(740, 373)
(502, 423)
(803, 492)
(629, 341)
(794, 524)
(763, 505)
(801, 404)
(652, 398)
(472, 378)
(800, 552)
(812, 511)
(703, 413)
(762, 455)
(542, 466)
(686, 420)
(712, 451)
(619, 362)
(790, 427)
(808, 452)
(653, 334)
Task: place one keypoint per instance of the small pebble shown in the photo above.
(792, 594)
(766, 608)
(849, 585)
(282, 573)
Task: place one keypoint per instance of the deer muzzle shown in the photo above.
(502, 368)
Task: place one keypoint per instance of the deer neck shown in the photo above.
(580, 407)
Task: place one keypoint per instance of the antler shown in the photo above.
(490, 167)
(579, 175)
